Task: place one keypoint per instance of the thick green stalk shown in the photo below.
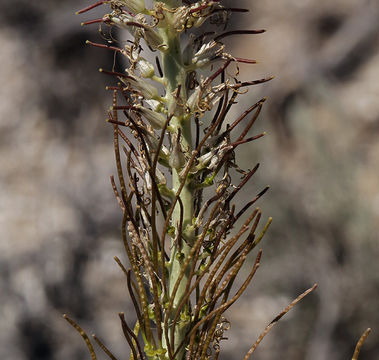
(175, 75)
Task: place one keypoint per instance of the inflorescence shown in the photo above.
(184, 257)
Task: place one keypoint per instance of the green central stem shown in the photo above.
(175, 76)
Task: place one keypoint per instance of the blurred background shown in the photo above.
(60, 223)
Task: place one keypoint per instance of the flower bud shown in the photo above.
(156, 120)
(207, 53)
(177, 159)
(145, 68)
(160, 177)
(180, 18)
(205, 159)
(193, 100)
(153, 39)
(147, 90)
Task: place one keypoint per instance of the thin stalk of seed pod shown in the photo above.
(234, 265)
(83, 335)
(243, 210)
(104, 348)
(134, 335)
(197, 137)
(139, 291)
(152, 175)
(250, 83)
(109, 87)
(141, 288)
(230, 104)
(250, 238)
(238, 32)
(240, 10)
(225, 306)
(245, 61)
(185, 264)
(113, 73)
(104, 46)
(118, 162)
(132, 183)
(124, 107)
(159, 67)
(194, 261)
(116, 194)
(233, 272)
(224, 251)
(250, 123)
(244, 114)
(133, 297)
(250, 139)
(201, 342)
(273, 322)
(248, 243)
(150, 269)
(360, 343)
(242, 183)
(206, 205)
(220, 106)
(98, 3)
(221, 308)
(153, 213)
(130, 289)
(140, 201)
(157, 307)
(120, 123)
(179, 238)
(189, 292)
(262, 234)
(130, 145)
(134, 191)
(224, 109)
(222, 233)
(116, 146)
(127, 333)
(228, 280)
(94, 21)
(210, 335)
(212, 77)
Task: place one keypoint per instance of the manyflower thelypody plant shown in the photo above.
(178, 139)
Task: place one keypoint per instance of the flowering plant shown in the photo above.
(183, 256)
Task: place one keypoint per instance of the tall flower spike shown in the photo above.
(183, 260)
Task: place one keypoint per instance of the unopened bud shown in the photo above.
(146, 69)
(153, 39)
(193, 100)
(155, 119)
(147, 90)
(177, 158)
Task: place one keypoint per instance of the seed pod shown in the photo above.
(177, 158)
